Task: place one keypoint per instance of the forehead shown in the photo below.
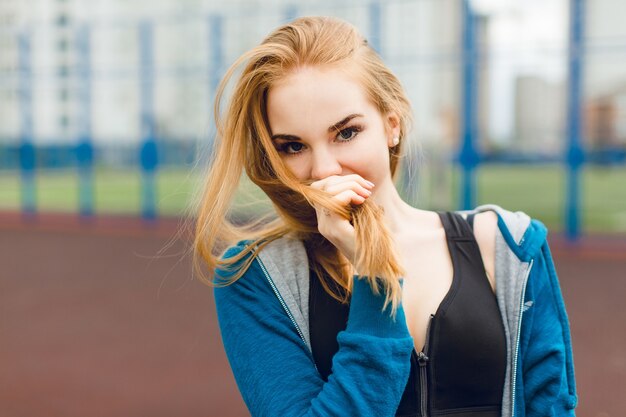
(315, 96)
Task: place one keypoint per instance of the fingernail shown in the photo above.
(370, 183)
(368, 192)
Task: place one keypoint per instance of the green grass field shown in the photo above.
(537, 190)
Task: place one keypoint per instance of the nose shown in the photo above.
(324, 164)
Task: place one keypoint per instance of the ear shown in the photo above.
(392, 127)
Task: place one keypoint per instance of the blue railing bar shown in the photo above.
(215, 65)
(375, 30)
(425, 58)
(27, 148)
(575, 156)
(468, 156)
(216, 50)
(148, 152)
(84, 150)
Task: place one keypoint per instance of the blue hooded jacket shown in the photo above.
(263, 320)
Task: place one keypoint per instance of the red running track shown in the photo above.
(94, 321)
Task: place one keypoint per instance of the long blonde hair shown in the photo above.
(244, 141)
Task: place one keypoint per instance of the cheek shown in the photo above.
(298, 166)
(370, 159)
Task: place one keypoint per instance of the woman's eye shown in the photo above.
(348, 133)
(291, 148)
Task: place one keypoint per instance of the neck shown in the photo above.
(399, 214)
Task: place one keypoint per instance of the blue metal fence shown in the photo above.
(468, 155)
(27, 149)
(84, 150)
(575, 156)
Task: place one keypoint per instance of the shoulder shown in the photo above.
(282, 250)
(500, 231)
(485, 228)
(242, 286)
(236, 270)
(515, 231)
(280, 260)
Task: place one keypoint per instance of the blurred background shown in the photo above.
(106, 129)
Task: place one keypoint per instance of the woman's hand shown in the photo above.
(346, 190)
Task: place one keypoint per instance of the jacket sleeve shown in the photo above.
(274, 369)
(549, 386)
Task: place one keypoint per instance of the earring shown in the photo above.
(395, 141)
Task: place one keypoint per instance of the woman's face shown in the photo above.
(322, 124)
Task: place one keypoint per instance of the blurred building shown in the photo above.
(539, 115)
(9, 115)
(605, 121)
(180, 59)
(113, 69)
(605, 76)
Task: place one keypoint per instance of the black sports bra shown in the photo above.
(460, 372)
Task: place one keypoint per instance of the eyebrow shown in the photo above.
(337, 126)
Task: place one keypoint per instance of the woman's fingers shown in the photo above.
(349, 196)
(334, 180)
(336, 189)
(346, 190)
(337, 184)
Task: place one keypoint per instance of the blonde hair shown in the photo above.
(244, 141)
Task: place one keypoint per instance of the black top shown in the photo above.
(460, 372)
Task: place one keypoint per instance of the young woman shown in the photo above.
(350, 302)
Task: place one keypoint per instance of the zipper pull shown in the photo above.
(422, 358)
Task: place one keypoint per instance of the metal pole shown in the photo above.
(148, 154)
(27, 149)
(216, 65)
(575, 155)
(468, 157)
(216, 50)
(84, 150)
(375, 35)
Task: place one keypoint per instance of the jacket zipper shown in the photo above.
(519, 331)
(282, 302)
(423, 360)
